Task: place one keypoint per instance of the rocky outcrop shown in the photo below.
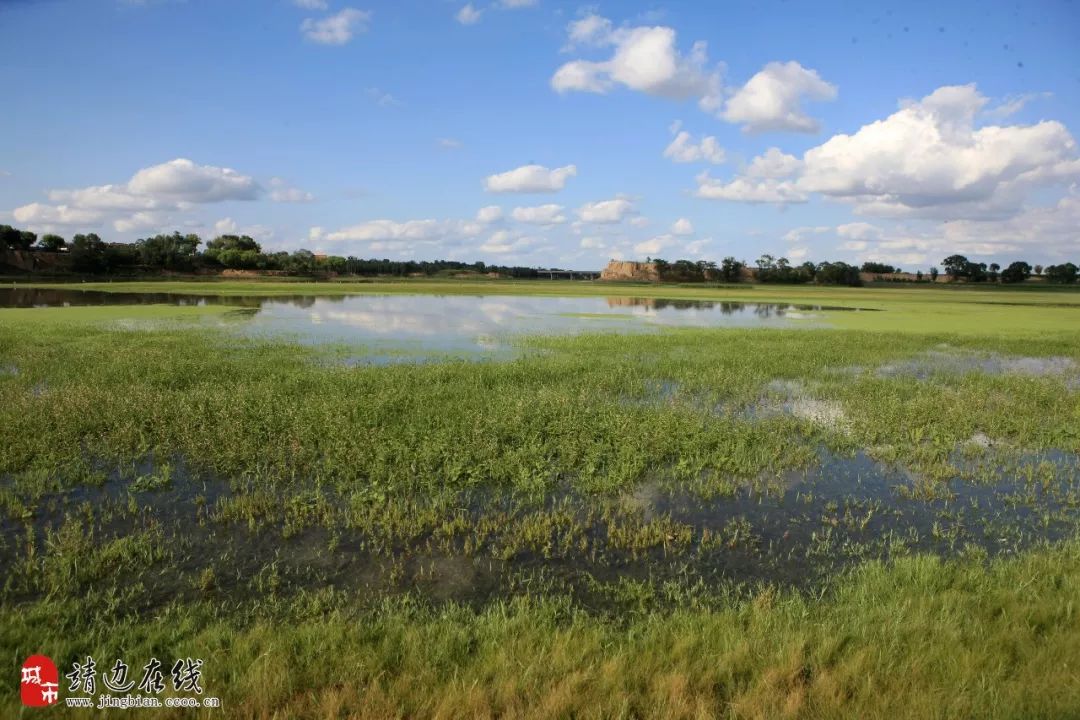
(623, 270)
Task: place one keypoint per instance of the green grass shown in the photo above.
(479, 539)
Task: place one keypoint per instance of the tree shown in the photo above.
(1038, 269)
(956, 266)
(933, 274)
(169, 252)
(87, 253)
(9, 237)
(994, 267)
(15, 239)
(1065, 273)
(837, 273)
(52, 243)
(731, 269)
(878, 268)
(1018, 271)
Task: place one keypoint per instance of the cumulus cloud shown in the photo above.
(182, 180)
(311, 4)
(38, 214)
(550, 214)
(655, 245)
(137, 204)
(858, 231)
(337, 29)
(682, 226)
(772, 99)
(645, 59)
(468, 15)
(684, 149)
(750, 190)
(530, 179)
(606, 211)
(774, 163)
(489, 214)
(282, 193)
(930, 160)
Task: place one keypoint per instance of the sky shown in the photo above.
(548, 133)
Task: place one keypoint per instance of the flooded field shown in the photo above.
(412, 326)
(266, 467)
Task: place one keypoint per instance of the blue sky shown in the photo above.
(550, 133)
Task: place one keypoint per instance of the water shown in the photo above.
(394, 327)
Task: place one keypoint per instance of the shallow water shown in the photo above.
(402, 327)
(794, 528)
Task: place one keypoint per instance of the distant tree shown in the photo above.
(1038, 269)
(933, 274)
(837, 273)
(1065, 273)
(88, 253)
(1018, 271)
(9, 237)
(52, 243)
(731, 269)
(994, 267)
(956, 266)
(878, 268)
(169, 252)
(918, 276)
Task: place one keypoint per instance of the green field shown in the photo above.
(875, 516)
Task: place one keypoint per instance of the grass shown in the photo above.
(607, 527)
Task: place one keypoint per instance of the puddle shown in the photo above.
(793, 398)
(252, 537)
(410, 328)
(953, 362)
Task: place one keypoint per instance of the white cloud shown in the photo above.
(683, 149)
(682, 226)
(590, 29)
(182, 180)
(644, 58)
(311, 4)
(376, 230)
(502, 242)
(140, 221)
(654, 245)
(514, 4)
(468, 15)
(797, 253)
(1013, 104)
(854, 245)
(175, 185)
(858, 231)
(489, 214)
(550, 214)
(606, 211)
(382, 98)
(282, 193)
(774, 163)
(929, 160)
(530, 179)
(592, 243)
(772, 99)
(800, 233)
(450, 144)
(336, 29)
(38, 214)
(749, 190)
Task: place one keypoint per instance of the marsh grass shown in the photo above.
(599, 526)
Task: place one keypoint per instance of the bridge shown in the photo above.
(556, 274)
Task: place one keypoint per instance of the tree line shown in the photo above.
(180, 253)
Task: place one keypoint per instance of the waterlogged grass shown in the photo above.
(692, 523)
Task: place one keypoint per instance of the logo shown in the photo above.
(40, 684)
